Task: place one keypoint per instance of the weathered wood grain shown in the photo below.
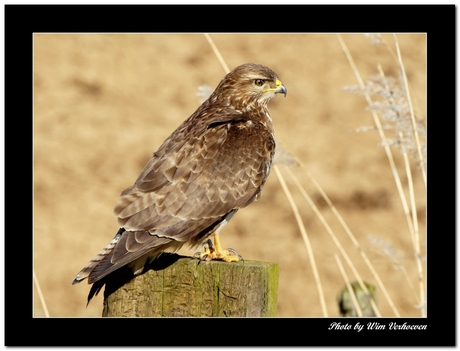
(191, 288)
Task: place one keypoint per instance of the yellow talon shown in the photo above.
(216, 252)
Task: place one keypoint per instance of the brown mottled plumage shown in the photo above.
(213, 164)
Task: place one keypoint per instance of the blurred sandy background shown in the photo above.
(104, 103)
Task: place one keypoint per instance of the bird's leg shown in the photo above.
(216, 252)
(227, 255)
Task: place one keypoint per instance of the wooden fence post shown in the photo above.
(192, 288)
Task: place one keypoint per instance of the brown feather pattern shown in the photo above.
(213, 164)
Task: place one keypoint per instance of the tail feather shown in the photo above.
(95, 288)
(86, 271)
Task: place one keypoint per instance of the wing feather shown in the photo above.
(205, 176)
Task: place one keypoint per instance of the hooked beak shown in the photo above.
(280, 88)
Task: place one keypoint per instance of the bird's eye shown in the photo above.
(259, 82)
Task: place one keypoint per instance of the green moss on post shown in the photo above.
(190, 288)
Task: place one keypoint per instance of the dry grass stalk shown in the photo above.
(382, 136)
(339, 246)
(411, 108)
(411, 217)
(353, 296)
(418, 257)
(416, 234)
(303, 232)
(217, 53)
(40, 295)
(387, 250)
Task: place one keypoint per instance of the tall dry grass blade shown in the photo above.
(351, 291)
(406, 163)
(395, 56)
(303, 232)
(216, 52)
(411, 220)
(411, 108)
(40, 294)
(385, 249)
(408, 171)
(339, 245)
(387, 149)
(416, 238)
(354, 241)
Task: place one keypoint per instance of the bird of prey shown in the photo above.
(213, 164)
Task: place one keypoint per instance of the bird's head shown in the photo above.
(250, 84)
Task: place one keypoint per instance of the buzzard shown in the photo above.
(213, 164)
